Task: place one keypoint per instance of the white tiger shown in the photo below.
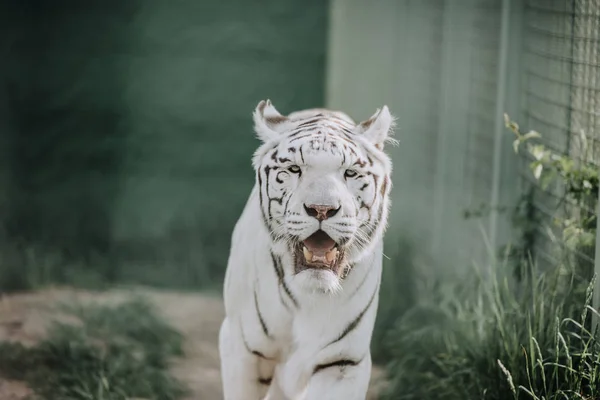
(302, 282)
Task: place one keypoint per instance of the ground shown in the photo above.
(24, 317)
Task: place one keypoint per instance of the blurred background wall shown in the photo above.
(126, 132)
(441, 78)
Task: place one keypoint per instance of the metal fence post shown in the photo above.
(596, 299)
(444, 131)
(499, 121)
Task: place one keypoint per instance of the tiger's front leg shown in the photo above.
(240, 370)
(340, 380)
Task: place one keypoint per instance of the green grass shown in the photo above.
(117, 353)
(489, 339)
(179, 260)
(397, 294)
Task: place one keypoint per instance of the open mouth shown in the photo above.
(318, 251)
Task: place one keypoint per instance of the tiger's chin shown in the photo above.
(317, 282)
(319, 263)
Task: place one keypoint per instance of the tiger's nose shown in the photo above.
(321, 212)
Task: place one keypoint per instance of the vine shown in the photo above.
(576, 179)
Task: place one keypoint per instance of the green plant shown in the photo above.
(573, 175)
(568, 370)
(448, 346)
(572, 178)
(397, 294)
(116, 353)
(523, 338)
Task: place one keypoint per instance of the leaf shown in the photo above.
(513, 126)
(587, 184)
(537, 172)
(588, 239)
(516, 144)
(547, 179)
(538, 152)
(566, 164)
(531, 135)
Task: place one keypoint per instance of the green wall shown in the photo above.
(129, 128)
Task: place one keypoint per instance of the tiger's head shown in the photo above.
(324, 184)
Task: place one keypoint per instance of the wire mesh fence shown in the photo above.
(562, 93)
(455, 66)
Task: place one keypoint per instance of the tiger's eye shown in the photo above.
(294, 169)
(349, 173)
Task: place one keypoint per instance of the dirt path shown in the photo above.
(24, 317)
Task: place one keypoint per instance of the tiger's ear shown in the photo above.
(268, 122)
(378, 128)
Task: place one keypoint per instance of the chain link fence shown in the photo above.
(561, 92)
(449, 70)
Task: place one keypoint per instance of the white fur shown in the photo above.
(298, 337)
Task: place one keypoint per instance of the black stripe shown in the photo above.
(247, 346)
(352, 325)
(265, 381)
(260, 317)
(344, 362)
(345, 136)
(373, 225)
(244, 339)
(301, 137)
(259, 354)
(379, 213)
(260, 200)
(384, 186)
(339, 120)
(285, 208)
(304, 128)
(267, 170)
(310, 121)
(301, 154)
(279, 271)
(295, 133)
(278, 200)
(361, 283)
(289, 293)
(277, 178)
(347, 131)
(277, 267)
(375, 178)
(285, 304)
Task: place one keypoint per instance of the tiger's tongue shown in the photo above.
(319, 243)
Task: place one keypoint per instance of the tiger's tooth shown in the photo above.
(307, 254)
(331, 255)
